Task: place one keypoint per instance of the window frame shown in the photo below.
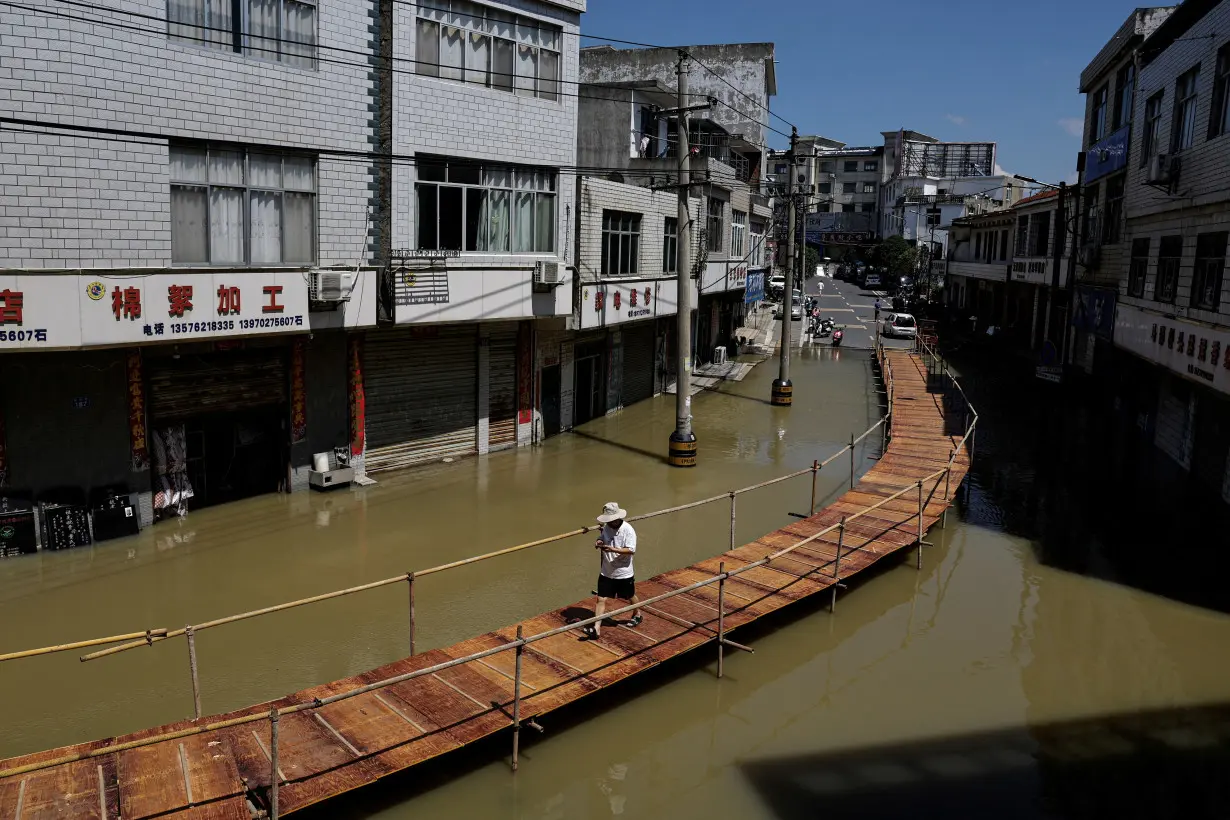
(1125, 95)
(1112, 212)
(507, 36)
(849, 187)
(1098, 114)
(1166, 284)
(715, 225)
(246, 188)
(1186, 103)
(618, 226)
(542, 183)
(825, 188)
(1151, 127)
(1138, 266)
(1219, 110)
(236, 35)
(738, 233)
(670, 244)
(871, 166)
(850, 166)
(1210, 262)
(869, 187)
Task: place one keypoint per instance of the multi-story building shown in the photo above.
(483, 99)
(928, 184)
(1171, 367)
(320, 250)
(172, 194)
(1001, 271)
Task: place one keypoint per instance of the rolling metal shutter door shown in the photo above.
(421, 397)
(502, 388)
(638, 363)
(199, 385)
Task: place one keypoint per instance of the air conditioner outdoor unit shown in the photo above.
(1163, 169)
(331, 285)
(1090, 255)
(548, 273)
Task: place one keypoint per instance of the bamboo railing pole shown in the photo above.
(920, 523)
(68, 647)
(721, 632)
(732, 520)
(841, 539)
(516, 746)
(947, 480)
(851, 461)
(815, 473)
(273, 762)
(192, 666)
(410, 583)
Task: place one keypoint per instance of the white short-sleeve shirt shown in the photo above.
(618, 567)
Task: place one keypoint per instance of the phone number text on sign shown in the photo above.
(243, 324)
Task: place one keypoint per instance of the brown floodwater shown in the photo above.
(989, 675)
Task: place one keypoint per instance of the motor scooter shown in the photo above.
(838, 335)
(826, 328)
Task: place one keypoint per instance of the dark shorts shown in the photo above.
(623, 588)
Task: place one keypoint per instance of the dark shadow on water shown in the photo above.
(1071, 469)
(1165, 764)
(660, 458)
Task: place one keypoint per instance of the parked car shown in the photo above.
(777, 284)
(899, 325)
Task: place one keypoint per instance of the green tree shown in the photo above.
(896, 255)
(811, 261)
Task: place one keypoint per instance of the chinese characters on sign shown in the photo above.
(126, 303)
(229, 301)
(137, 441)
(1199, 352)
(10, 306)
(180, 298)
(298, 391)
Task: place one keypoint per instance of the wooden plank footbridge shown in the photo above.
(278, 757)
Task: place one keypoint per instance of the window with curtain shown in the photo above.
(1219, 114)
(1112, 217)
(232, 206)
(1125, 93)
(621, 243)
(738, 234)
(1097, 118)
(715, 225)
(476, 207)
(1185, 110)
(467, 42)
(1207, 272)
(1169, 256)
(670, 245)
(1138, 268)
(1151, 138)
(279, 30)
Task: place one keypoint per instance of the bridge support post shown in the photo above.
(732, 519)
(815, 473)
(516, 750)
(721, 630)
(196, 681)
(947, 486)
(410, 582)
(920, 523)
(273, 763)
(841, 540)
(851, 461)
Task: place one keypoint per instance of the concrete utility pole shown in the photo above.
(1061, 238)
(783, 389)
(682, 451)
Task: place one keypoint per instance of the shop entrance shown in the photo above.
(218, 427)
(590, 381)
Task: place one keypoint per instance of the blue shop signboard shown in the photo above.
(1095, 311)
(1108, 156)
(755, 287)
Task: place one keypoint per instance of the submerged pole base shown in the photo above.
(682, 450)
(783, 393)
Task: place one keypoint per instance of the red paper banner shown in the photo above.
(137, 433)
(298, 391)
(358, 398)
(525, 373)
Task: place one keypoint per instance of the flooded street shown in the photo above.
(975, 679)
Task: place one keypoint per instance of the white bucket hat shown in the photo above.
(612, 512)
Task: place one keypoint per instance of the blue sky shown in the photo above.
(964, 70)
